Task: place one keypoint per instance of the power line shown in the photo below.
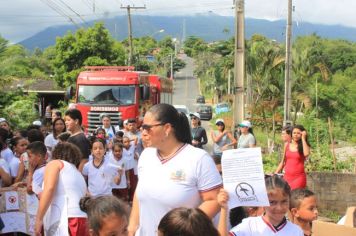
(60, 11)
(71, 9)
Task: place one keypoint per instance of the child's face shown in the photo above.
(117, 152)
(126, 142)
(34, 159)
(279, 206)
(21, 146)
(113, 225)
(98, 150)
(307, 210)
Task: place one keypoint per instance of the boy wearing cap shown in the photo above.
(199, 137)
(246, 137)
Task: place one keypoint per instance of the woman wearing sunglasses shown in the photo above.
(172, 173)
(199, 137)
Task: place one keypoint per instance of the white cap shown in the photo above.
(37, 122)
(219, 121)
(196, 114)
(2, 120)
(245, 123)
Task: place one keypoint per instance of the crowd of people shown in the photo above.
(159, 171)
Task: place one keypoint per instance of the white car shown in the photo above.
(184, 109)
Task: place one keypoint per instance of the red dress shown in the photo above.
(294, 172)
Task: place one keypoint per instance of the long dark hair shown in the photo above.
(167, 114)
(300, 142)
(187, 222)
(100, 207)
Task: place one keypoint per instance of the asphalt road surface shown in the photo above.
(186, 90)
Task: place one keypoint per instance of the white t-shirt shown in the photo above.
(37, 180)
(129, 155)
(122, 163)
(100, 178)
(175, 182)
(50, 142)
(255, 226)
(5, 167)
(7, 155)
(245, 140)
(14, 166)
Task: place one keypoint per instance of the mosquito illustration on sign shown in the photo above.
(245, 192)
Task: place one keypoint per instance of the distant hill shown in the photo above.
(209, 27)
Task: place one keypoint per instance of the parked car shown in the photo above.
(205, 112)
(221, 108)
(200, 99)
(184, 109)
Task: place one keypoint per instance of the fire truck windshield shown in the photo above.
(97, 94)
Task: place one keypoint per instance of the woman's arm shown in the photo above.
(232, 139)
(20, 172)
(204, 137)
(5, 177)
(209, 202)
(50, 181)
(216, 138)
(134, 217)
(282, 163)
(306, 148)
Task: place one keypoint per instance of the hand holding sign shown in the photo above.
(243, 177)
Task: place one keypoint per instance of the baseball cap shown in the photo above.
(196, 114)
(37, 123)
(245, 123)
(2, 120)
(219, 121)
(126, 122)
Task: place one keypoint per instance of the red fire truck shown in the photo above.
(118, 91)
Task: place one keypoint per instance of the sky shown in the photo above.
(20, 19)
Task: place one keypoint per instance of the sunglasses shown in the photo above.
(149, 127)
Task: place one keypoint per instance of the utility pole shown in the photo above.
(172, 66)
(288, 68)
(128, 7)
(239, 65)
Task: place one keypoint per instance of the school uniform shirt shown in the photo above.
(255, 226)
(5, 167)
(7, 155)
(122, 163)
(14, 166)
(99, 178)
(37, 179)
(50, 142)
(71, 187)
(165, 184)
(129, 155)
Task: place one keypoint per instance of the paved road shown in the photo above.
(186, 89)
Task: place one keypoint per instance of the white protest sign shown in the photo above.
(243, 177)
(12, 200)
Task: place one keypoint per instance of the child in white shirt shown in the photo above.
(98, 173)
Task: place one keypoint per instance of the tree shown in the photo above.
(74, 50)
(3, 45)
(194, 45)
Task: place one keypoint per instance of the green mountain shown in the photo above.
(210, 27)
